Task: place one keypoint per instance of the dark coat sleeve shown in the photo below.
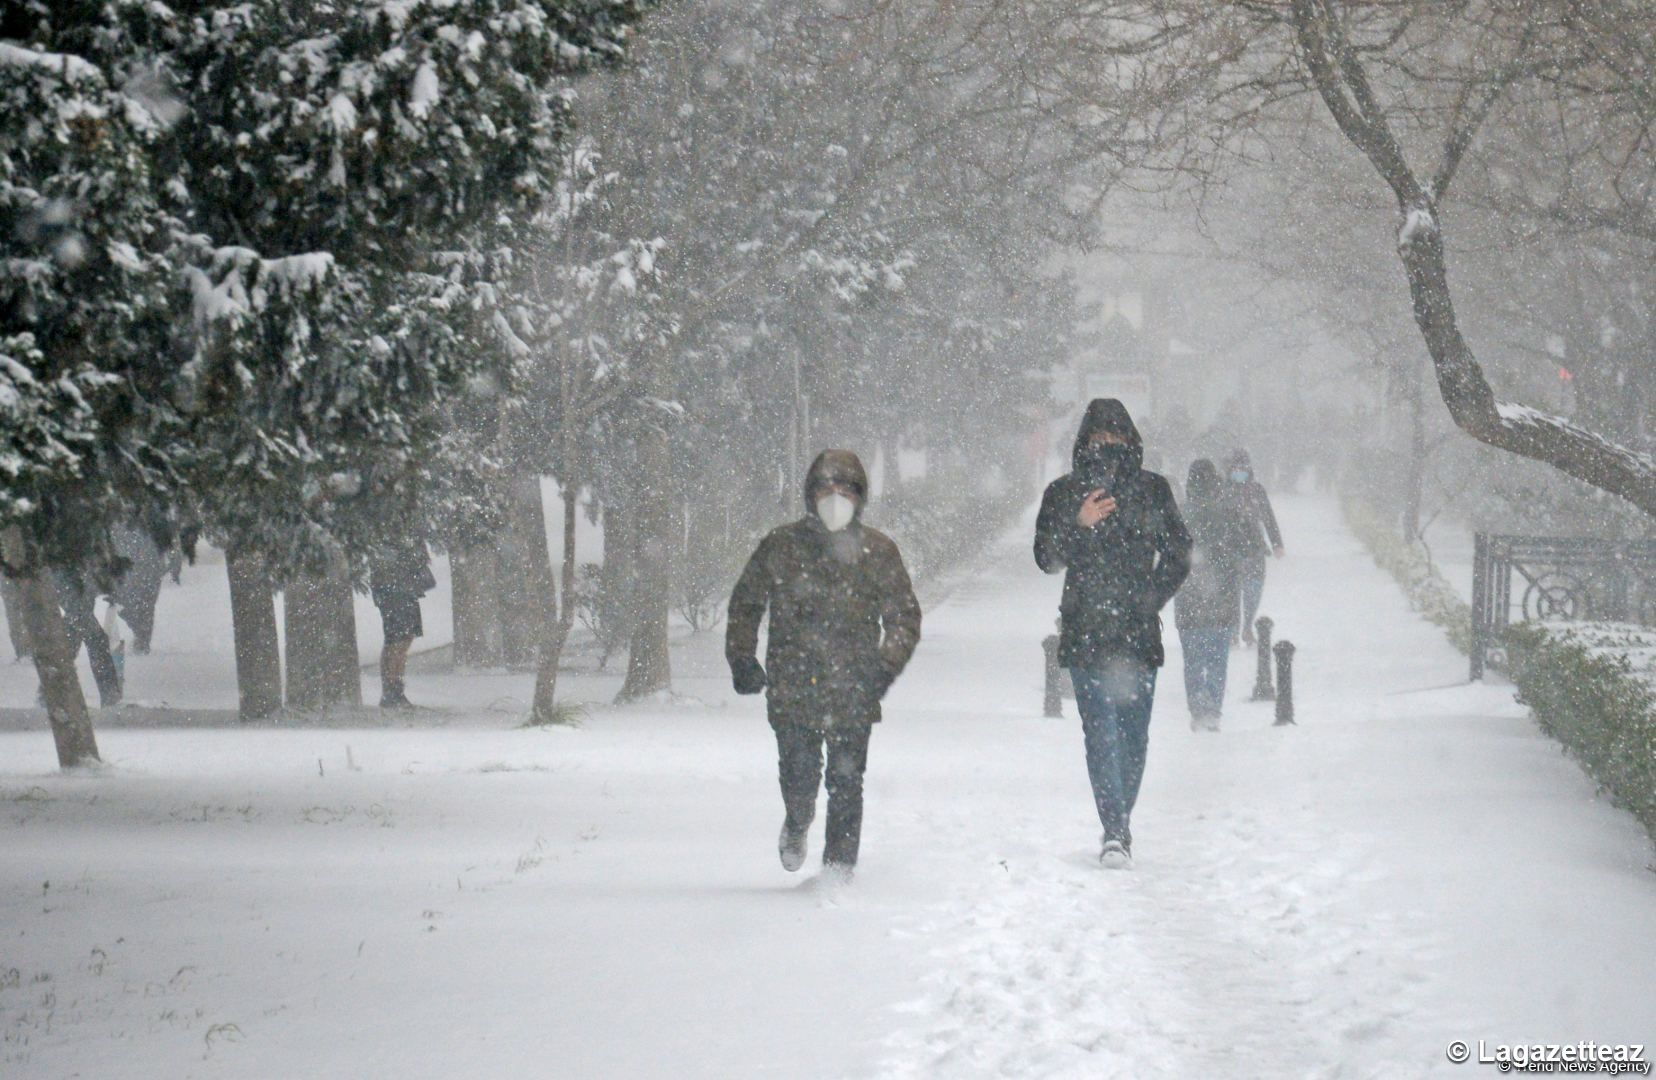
(1262, 508)
(899, 614)
(1056, 531)
(747, 607)
(1173, 545)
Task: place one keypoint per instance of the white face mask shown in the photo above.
(836, 511)
(1239, 475)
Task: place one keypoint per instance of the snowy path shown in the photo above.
(1412, 864)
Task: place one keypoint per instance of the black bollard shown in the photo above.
(1262, 683)
(1285, 683)
(1052, 701)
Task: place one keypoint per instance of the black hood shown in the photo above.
(1202, 485)
(1109, 414)
(836, 466)
(1237, 459)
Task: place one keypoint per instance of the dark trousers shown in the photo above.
(799, 754)
(1252, 577)
(1206, 655)
(1114, 702)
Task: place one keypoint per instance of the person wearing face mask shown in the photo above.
(1116, 532)
(1250, 503)
(843, 623)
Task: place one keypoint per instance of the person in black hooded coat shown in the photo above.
(843, 623)
(1115, 530)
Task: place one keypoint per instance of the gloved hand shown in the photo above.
(747, 675)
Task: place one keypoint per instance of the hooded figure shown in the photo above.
(1122, 571)
(1205, 610)
(1252, 507)
(843, 623)
(1115, 531)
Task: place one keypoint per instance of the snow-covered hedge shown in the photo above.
(1592, 686)
(1428, 591)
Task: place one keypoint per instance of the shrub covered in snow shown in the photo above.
(1592, 686)
(1428, 591)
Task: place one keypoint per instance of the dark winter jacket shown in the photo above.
(1122, 571)
(843, 616)
(401, 574)
(1253, 506)
(1210, 596)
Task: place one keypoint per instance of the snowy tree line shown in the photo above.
(306, 280)
(246, 272)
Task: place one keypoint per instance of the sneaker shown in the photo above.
(791, 846)
(1114, 855)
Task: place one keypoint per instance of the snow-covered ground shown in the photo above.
(453, 896)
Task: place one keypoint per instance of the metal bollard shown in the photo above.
(1285, 683)
(1262, 682)
(1052, 701)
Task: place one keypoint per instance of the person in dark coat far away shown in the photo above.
(1205, 609)
(843, 623)
(397, 580)
(1248, 497)
(1115, 530)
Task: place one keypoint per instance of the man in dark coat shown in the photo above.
(397, 580)
(1251, 503)
(843, 623)
(1115, 530)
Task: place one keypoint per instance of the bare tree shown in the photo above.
(1339, 69)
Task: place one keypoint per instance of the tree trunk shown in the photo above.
(526, 575)
(54, 660)
(11, 598)
(1415, 493)
(323, 666)
(649, 667)
(615, 579)
(478, 634)
(253, 618)
(546, 679)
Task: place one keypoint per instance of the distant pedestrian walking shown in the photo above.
(1115, 530)
(1205, 610)
(1253, 506)
(843, 623)
(397, 581)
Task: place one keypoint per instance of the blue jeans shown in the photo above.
(1206, 655)
(1114, 702)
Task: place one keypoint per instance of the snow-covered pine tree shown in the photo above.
(84, 325)
(324, 166)
(397, 133)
